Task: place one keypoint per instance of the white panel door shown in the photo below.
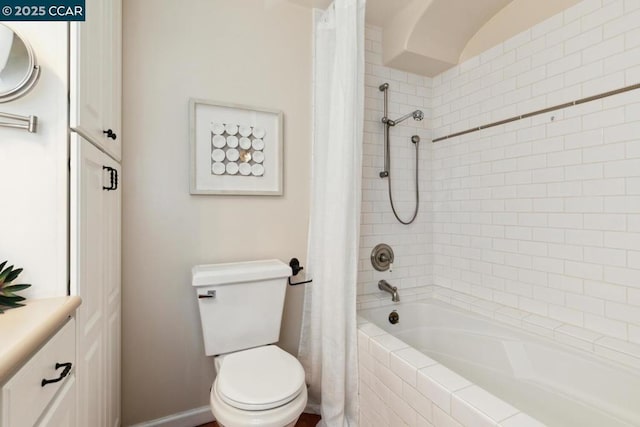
(95, 277)
(112, 238)
(95, 77)
(113, 368)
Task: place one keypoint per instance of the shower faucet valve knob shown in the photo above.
(382, 257)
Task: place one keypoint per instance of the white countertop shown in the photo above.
(23, 330)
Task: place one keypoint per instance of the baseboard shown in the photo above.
(190, 418)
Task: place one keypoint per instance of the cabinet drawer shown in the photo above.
(62, 412)
(24, 398)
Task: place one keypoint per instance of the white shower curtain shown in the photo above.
(328, 347)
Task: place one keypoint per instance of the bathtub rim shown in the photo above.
(612, 348)
(513, 328)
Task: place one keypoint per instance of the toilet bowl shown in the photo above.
(262, 386)
(257, 383)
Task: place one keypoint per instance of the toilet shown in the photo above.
(257, 383)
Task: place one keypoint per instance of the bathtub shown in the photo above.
(501, 375)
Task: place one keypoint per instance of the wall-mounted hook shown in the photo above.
(294, 263)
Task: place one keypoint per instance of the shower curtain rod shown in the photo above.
(543, 111)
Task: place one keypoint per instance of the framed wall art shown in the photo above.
(235, 149)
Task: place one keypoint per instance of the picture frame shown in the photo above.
(235, 149)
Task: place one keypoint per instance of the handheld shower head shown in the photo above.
(417, 115)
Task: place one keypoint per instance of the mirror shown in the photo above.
(18, 68)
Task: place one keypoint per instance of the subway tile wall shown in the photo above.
(591, 48)
(537, 221)
(411, 243)
(543, 214)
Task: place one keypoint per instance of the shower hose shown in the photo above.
(416, 141)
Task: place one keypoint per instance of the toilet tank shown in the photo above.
(240, 303)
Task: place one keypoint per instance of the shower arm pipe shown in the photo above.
(390, 122)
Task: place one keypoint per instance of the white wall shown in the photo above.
(33, 172)
(249, 52)
(517, 16)
(542, 214)
(411, 243)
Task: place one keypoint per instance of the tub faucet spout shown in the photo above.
(383, 285)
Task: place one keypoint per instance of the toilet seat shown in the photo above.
(259, 379)
(282, 416)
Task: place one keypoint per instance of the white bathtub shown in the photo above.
(554, 384)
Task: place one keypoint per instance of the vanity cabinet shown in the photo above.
(63, 410)
(96, 144)
(95, 276)
(42, 392)
(96, 75)
(66, 225)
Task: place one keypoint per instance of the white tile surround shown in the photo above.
(535, 223)
(543, 214)
(411, 244)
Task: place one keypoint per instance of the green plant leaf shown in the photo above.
(12, 297)
(5, 273)
(13, 275)
(8, 298)
(15, 288)
(11, 304)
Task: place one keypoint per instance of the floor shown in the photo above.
(306, 420)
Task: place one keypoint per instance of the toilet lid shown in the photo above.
(259, 378)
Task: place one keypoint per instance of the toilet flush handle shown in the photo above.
(209, 294)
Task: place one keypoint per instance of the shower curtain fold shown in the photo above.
(328, 343)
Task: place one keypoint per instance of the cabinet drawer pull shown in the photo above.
(110, 134)
(113, 178)
(64, 373)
